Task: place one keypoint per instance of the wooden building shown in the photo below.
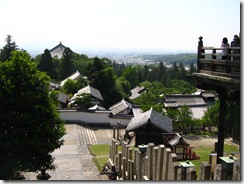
(57, 50)
(221, 75)
(149, 126)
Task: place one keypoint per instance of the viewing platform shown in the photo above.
(221, 75)
(215, 73)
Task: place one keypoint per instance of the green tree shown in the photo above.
(184, 117)
(46, 64)
(67, 65)
(211, 116)
(193, 69)
(131, 75)
(83, 101)
(31, 128)
(123, 87)
(7, 49)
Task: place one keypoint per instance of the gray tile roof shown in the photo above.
(137, 91)
(176, 140)
(90, 90)
(178, 100)
(120, 106)
(74, 76)
(158, 120)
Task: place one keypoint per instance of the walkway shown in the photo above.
(73, 159)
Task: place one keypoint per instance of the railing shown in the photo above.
(210, 61)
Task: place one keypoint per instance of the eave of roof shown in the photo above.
(151, 116)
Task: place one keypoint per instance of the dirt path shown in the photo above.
(196, 141)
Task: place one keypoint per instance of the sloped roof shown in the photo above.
(90, 90)
(158, 120)
(62, 97)
(120, 106)
(57, 50)
(178, 100)
(136, 92)
(73, 77)
(96, 107)
(176, 140)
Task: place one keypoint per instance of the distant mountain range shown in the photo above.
(115, 51)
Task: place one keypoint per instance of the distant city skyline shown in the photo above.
(119, 24)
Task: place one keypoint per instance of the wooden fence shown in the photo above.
(159, 163)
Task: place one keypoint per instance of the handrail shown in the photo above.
(211, 62)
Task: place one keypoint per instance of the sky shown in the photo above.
(120, 24)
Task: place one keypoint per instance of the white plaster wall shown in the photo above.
(88, 117)
(97, 117)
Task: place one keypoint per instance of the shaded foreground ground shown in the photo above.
(74, 160)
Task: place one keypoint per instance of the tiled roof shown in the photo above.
(178, 100)
(96, 107)
(158, 120)
(176, 140)
(57, 50)
(90, 90)
(73, 77)
(62, 97)
(120, 106)
(137, 91)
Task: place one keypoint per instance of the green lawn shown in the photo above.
(204, 152)
(101, 153)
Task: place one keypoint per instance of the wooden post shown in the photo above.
(132, 171)
(138, 164)
(218, 172)
(205, 171)
(191, 173)
(168, 152)
(113, 132)
(221, 125)
(176, 171)
(165, 169)
(120, 163)
(160, 162)
(128, 169)
(214, 54)
(150, 160)
(155, 162)
(116, 150)
(236, 170)
(172, 159)
(123, 168)
(213, 162)
(199, 52)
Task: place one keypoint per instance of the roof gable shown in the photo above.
(74, 76)
(120, 106)
(137, 91)
(158, 120)
(57, 50)
(88, 89)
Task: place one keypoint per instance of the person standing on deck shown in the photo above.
(224, 45)
(235, 43)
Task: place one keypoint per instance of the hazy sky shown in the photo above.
(79, 24)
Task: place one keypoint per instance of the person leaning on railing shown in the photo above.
(236, 43)
(225, 45)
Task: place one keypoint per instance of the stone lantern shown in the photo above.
(184, 166)
(142, 148)
(227, 165)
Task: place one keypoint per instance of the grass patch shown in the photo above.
(101, 154)
(204, 152)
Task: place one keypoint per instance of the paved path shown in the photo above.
(73, 159)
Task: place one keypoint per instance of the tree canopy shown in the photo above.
(31, 128)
